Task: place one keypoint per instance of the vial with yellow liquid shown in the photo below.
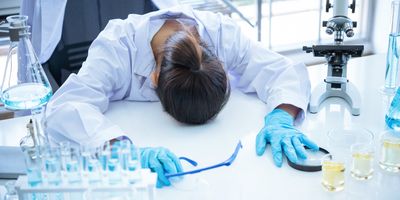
(332, 173)
(362, 161)
(390, 151)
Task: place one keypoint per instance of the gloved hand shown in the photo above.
(161, 161)
(281, 134)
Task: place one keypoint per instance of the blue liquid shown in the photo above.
(93, 171)
(393, 123)
(114, 176)
(124, 160)
(26, 96)
(392, 62)
(392, 118)
(103, 160)
(85, 160)
(112, 165)
(73, 173)
(72, 166)
(53, 170)
(34, 176)
(132, 165)
(93, 165)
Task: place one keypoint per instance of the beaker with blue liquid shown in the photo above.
(392, 59)
(24, 85)
(23, 82)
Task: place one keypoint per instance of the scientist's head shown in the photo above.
(190, 80)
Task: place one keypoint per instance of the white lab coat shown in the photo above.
(46, 19)
(120, 62)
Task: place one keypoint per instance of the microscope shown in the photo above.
(336, 83)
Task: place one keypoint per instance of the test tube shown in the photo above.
(133, 164)
(104, 155)
(113, 165)
(73, 167)
(90, 165)
(52, 163)
(362, 161)
(332, 173)
(33, 163)
(125, 153)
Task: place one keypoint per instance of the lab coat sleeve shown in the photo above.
(76, 110)
(275, 78)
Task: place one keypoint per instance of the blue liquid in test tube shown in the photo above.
(113, 171)
(73, 171)
(53, 170)
(34, 176)
(132, 165)
(94, 171)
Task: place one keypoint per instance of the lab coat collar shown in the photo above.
(145, 61)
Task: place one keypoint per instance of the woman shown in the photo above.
(181, 57)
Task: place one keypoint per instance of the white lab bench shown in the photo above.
(250, 176)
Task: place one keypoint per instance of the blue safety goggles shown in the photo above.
(227, 162)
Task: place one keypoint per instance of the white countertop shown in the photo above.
(250, 176)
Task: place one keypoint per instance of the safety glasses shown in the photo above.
(227, 162)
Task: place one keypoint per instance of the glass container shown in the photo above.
(332, 173)
(362, 161)
(390, 151)
(392, 59)
(23, 82)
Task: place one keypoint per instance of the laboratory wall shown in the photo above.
(381, 25)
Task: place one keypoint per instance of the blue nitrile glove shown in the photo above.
(161, 161)
(281, 134)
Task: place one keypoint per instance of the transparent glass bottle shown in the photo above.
(32, 147)
(392, 59)
(23, 83)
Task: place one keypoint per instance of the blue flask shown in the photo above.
(392, 118)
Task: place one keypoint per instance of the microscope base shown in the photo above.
(350, 95)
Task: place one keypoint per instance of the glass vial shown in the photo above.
(392, 59)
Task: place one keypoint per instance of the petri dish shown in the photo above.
(313, 161)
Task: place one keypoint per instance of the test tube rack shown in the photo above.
(143, 189)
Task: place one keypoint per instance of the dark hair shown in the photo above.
(192, 84)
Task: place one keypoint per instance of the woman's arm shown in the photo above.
(292, 110)
(76, 110)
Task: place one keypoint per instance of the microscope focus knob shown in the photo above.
(329, 30)
(348, 29)
(350, 33)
